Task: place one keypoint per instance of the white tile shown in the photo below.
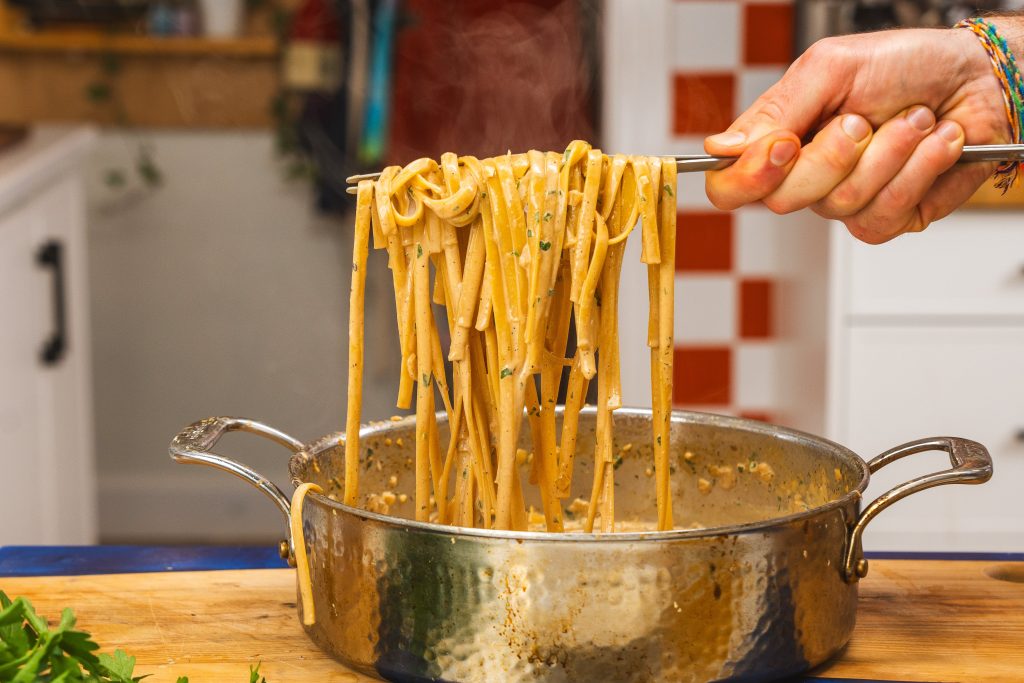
(637, 81)
(753, 81)
(682, 144)
(706, 35)
(758, 241)
(705, 308)
(756, 375)
(691, 192)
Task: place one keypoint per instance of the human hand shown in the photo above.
(889, 114)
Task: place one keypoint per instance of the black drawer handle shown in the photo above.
(51, 255)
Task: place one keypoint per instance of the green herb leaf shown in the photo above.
(544, 246)
(668, 190)
(617, 463)
(119, 667)
(419, 251)
(505, 372)
(547, 216)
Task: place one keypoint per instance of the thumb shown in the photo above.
(796, 103)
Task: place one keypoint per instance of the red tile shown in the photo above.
(758, 415)
(755, 309)
(767, 33)
(702, 103)
(704, 241)
(702, 376)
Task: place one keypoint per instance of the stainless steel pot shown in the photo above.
(766, 588)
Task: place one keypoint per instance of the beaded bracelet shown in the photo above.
(1005, 67)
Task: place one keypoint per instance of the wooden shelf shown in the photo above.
(93, 42)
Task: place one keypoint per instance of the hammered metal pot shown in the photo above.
(764, 586)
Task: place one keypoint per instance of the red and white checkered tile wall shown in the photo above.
(726, 53)
(719, 55)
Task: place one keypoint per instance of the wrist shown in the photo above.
(1011, 29)
(985, 80)
(975, 65)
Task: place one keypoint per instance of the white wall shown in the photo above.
(219, 293)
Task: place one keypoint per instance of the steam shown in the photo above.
(482, 78)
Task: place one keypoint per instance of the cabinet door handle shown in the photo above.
(51, 255)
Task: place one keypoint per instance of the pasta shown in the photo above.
(517, 251)
(299, 545)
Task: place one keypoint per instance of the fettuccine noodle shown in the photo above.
(517, 250)
(299, 546)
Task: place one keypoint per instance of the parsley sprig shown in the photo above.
(33, 650)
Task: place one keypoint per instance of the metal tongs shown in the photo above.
(693, 163)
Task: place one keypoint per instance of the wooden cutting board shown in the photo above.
(918, 621)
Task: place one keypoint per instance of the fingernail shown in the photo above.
(921, 118)
(949, 131)
(856, 127)
(782, 152)
(730, 139)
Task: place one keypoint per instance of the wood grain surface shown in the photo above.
(918, 621)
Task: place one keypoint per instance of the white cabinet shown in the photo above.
(46, 438)
(927, 339)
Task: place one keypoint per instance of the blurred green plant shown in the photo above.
(102, 92)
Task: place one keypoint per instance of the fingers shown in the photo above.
(890, 148)
(899, 206)
(760, 169)
(797, 102)
(823, 164)
(953, 188)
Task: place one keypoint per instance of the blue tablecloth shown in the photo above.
(122, 559)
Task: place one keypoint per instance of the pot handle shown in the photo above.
(194, 443)
(971, 464)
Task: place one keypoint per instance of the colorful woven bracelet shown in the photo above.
(1005, 67)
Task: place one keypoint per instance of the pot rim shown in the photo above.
(691, 417)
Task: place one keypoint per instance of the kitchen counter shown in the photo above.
(209, 612)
